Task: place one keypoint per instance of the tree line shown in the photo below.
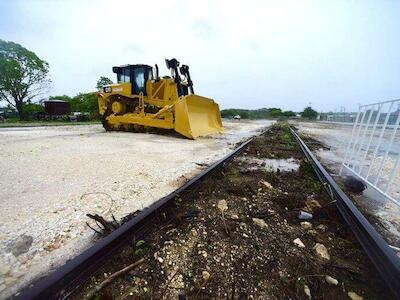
(267, 113)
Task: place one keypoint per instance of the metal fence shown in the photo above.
(373, 152)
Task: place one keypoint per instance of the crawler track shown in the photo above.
(67, 278)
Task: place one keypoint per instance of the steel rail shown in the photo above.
(63, 281)
(382, 256)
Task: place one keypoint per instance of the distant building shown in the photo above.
(337, 117)
(56, 107)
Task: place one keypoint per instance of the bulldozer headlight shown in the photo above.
(107, 89)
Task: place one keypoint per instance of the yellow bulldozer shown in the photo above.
(143, 101)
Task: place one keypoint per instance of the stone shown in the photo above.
(321, 227)
(20, 245)
(234, 217)
(306, 225)
(260, 223)
(206, 275)
(160, 260)
(222, 205)
(331, 280)
(266, 184)
(299, 243)
(52, 246)
(354, 296)
(4, 269)
(321, 250)
(307, 291)
(354, 185)
(311, 205)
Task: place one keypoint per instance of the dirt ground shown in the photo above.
(50, 177)
(238, 236)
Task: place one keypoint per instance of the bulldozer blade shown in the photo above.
(197, 116)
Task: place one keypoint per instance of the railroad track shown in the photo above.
(65, 280)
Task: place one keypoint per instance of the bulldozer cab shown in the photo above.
(137, 75)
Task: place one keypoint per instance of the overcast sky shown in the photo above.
(246, 54)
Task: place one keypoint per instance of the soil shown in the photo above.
(234, 235)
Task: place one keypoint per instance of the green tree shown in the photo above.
(309, 113)
(275, 112)
(30, 109)
(288, 113)
(86, 102)
(102, 82)
(23, 75)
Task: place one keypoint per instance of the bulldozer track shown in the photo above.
(65, 280)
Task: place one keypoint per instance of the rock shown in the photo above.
(2, 287)
(260, 223)
(322, 251)
(299, 243)
(311, 205)
(234, 217)
(321, 227)
(306, 225)
(203, 253)
(266, 184)
(331, 280)
(193, 232)
(20, 245)
(206, 275)
(52, 246)
(4, 269)
(160, 260)
(354, 185)
(222, 205)
(307, 291)
(354, 296)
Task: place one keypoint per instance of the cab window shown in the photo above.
(124, 76)
(139, 80)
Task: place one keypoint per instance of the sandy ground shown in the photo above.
(336, 136)
(50, 177)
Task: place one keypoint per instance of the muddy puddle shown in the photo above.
(271, 164)
(237, 235)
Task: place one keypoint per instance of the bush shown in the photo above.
(30, 109)
(309, 113)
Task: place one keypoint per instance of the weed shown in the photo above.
(178, 201)
(140, 248)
